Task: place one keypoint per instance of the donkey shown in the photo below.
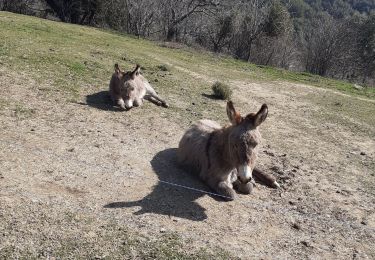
(225, 157)
(128, 89)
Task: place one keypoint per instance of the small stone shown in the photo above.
(162, 230)
(362, 153)
(296, 226)
(97, 145)
(269, 153)
(193, 103)
(364, 222)
(71, 150)
(305, 243)
(32, 129)
(156, 80)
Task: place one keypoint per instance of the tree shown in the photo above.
(221, 32)
(367, 47)
(323, 41)
(254, 15)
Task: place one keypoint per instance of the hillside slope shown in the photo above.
(79, 179)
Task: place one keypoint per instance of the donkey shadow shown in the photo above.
(101, 100)
(167, 199)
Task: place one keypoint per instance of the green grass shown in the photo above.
(108, 240)
(22, 112)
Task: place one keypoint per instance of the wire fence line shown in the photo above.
(269, 205)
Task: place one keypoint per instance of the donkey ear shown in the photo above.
(117, 68)
(136, 71)
(261, 115)
(234, 117)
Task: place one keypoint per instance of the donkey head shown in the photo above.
(129, 84)
(243, 139)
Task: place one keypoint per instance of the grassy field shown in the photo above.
(68, 57)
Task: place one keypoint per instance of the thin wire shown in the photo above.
(194, 189)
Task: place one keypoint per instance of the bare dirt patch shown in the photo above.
(87, 167)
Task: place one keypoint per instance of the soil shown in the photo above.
(68, 169)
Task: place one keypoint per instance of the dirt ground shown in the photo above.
(76, 172)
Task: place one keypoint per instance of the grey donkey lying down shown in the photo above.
(224, 157)
(128, 89)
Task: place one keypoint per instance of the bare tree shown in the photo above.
(323, 44)
(176, 12)
(253, 17)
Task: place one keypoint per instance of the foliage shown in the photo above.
(293, 34)
(164, 67)
(221, 90)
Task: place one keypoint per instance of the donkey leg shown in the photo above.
(266, 178)
(222, 188)
(151, 92)
(163, 103)
(120, 102)
(152, 100)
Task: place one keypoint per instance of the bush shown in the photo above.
(221, 90)
(164, 67)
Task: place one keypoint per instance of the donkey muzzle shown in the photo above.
(245, 173)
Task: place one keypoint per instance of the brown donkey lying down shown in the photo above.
(225, 157)
(128, 89)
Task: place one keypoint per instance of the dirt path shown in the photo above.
(85, 167)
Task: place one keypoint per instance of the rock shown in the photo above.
(362, 153)
(305, 243)
(296, 226)
(71, 150)
(356, 86)
(269, 153)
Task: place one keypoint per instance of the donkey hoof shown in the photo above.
(245, 188)
(165, 105)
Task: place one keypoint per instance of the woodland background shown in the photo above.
(333, 38)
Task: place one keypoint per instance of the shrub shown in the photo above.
(221, 90)
(164, 67)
